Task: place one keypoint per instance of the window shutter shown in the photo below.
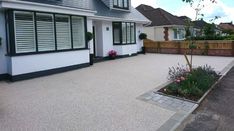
(63, 32)
(45, 32)
(24, 32)
(78, 32)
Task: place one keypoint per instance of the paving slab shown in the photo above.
(102, 97)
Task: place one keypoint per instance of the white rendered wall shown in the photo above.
(155, 33)
(139, 30)
(150, 32)
(41, 62)
(3, 50)
(99, 38)
(159, 34)
(107, 37)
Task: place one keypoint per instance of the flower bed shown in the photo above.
(190, 85)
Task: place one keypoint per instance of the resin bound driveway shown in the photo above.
(99, 98)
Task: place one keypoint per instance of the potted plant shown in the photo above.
(112, 54)
(143, 36)
(89, 36)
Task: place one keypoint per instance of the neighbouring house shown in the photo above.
(41, 37)
(227, 28)
(199, 26)
(164, 26)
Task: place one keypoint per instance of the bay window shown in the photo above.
(36, 32)
(124, 33)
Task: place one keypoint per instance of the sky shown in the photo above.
(222, 8)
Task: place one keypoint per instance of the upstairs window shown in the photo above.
(122, 4)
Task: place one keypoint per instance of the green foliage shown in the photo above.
(195, 84)
(215, 37)
(209, 30)
(192, 46)
(142, 36)
(230, 37)
(206, 49)
(0, 41)
(89, 36)
(229, 32)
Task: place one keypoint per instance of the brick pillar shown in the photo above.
(166, 34)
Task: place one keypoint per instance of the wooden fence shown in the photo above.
(213, 48)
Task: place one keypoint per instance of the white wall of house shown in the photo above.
(155, 33)
(150, 32)
(41, 62)
(3, 50)
(159, 34)
(139, 30)
(107, 37)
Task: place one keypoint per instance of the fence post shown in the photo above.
(232, 48)
(206, 48)
(158, 47)
(179, 47)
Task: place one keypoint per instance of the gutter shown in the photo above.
(118, 19)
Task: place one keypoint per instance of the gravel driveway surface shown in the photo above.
(99, 98)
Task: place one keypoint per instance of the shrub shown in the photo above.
(142, 36)
(177, 72)
(230, 37)
(190, 85)
(89, 36)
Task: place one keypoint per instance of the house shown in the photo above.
(41, 37)
(164, 26)
(199, 26)
(227, 28)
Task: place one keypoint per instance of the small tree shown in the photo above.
(190, 30)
